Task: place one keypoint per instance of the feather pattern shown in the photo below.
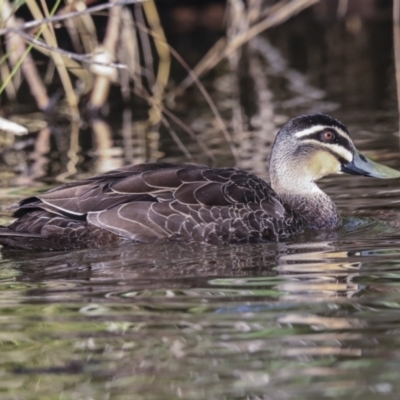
(152, 202)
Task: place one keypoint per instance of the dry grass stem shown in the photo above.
(161, 80)
(73, 67)
(50, 38)
(106, 53)
(146, 46)
(175, 137)
(12, 87)
(82, 29)
(222, 49)
(203, 91)
(65, 16)
(220, 122)
(128, 55)
(20, 57)
(162, 48)
(143, 94)
(83, 58)
(192, 134)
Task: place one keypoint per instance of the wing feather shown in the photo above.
(148, 202)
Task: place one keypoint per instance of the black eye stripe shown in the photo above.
(339, 139)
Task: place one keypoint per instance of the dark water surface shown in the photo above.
(315, 317)
(311, 318)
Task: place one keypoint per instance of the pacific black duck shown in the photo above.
(193, 203)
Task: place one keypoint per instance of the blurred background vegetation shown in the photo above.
(94, 85)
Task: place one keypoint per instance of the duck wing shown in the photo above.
(147, 202)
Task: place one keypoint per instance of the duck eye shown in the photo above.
(327, 136)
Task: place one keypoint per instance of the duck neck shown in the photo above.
(312, 205)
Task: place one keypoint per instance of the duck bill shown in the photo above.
(362, 165)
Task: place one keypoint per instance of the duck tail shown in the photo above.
(17, 240)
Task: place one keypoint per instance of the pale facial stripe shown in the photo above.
(335, 148)
(318, 128)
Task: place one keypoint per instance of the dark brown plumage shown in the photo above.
(150, 202)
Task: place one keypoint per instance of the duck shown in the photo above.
(155, 202)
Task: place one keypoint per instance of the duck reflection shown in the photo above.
(289, 269)
(318, 268)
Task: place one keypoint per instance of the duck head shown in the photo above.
(310, 147)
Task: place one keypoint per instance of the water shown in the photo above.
(312, 318)
(303, 319)
(315, 317)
